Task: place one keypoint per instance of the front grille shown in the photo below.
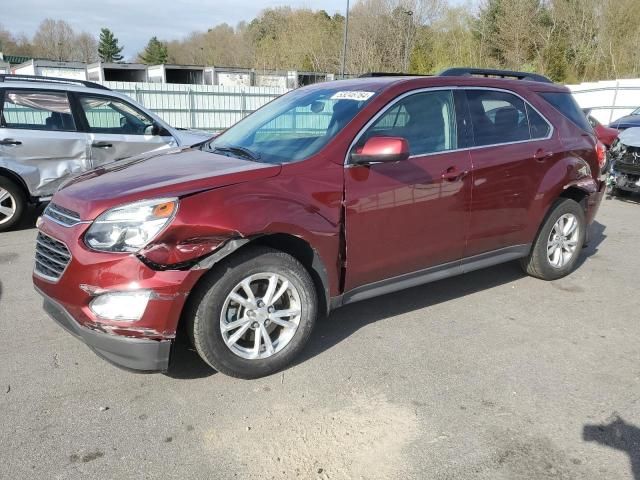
(62, 215)
(52, 257)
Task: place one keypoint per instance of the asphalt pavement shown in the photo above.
(492, 375)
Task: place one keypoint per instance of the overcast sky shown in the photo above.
(135, 21)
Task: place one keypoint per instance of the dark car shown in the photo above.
(628, 121)
(331, 194)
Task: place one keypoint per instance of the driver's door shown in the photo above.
(118, 130)
(407, 216)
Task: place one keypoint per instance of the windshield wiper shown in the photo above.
(237, 150)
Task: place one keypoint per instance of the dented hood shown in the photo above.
(173, 173)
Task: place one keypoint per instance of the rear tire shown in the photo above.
(220, 307)
(12, 204)
(557, 247)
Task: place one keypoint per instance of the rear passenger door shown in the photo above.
(118, 130)
(513, 150)
(40, 139)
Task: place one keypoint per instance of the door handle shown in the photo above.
(541, 155)
(452, 174)
(101, 145)
(10, 141)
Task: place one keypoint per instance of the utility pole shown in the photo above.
(344, 44)
(409, 15)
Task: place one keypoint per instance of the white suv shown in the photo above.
(52, 129)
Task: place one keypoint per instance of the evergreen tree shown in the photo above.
(154, 53)
(108, 49)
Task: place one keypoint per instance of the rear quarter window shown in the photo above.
(566, 104)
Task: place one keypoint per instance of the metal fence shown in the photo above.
(214, 108)
(204, 107)
(608, 100)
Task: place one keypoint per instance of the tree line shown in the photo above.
(568, 40)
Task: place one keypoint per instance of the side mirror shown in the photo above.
(381, 150)
(152, 130)
(156, 130)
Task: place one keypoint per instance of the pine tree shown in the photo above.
(154, 53)
(108, 49)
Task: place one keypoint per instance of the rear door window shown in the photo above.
(538, 126)
(426, 120)
(37, 110)
(566, 104)
(497, 117)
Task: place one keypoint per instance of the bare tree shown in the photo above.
(55, 40)
(86, 47)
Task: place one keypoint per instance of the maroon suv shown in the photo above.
(328, 195)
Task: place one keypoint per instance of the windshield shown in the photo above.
(292, 127)
(636, 112)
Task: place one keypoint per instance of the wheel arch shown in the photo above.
(18, 180)
(302, 251)
(295, 246)
(577, 194)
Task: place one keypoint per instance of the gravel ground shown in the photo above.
(493, 375)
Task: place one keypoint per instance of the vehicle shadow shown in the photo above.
(343, 322)
(29, 217)
(630, 199)
(619, 435)
(186, 364)
(596, 238)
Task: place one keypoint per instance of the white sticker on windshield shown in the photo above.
(357, 95)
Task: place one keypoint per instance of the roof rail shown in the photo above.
(57, 80)
(487, 72)
(390, 74)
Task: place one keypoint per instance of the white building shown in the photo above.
(48, 68)
(117, 72)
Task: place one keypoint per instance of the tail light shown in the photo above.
(601, 152)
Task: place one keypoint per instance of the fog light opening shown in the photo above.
(121, 306)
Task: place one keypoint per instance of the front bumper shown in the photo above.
(126, 352)
(627, 181)
(143, 344)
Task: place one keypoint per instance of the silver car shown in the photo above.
(52, 129)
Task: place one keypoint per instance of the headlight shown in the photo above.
(130, 227)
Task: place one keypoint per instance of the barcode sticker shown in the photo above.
(357, 95)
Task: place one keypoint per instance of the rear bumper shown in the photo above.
(594, 200)
(126, 352)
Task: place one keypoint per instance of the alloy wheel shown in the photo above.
(7, 206)
(563, 240)
(260, 316)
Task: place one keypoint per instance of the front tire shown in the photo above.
(557, 247)
(253, 313)
(12, 204)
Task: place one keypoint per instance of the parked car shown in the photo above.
(625, 163)
(628, 121)
(606, 135)
(331, 194)
(52, 129)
